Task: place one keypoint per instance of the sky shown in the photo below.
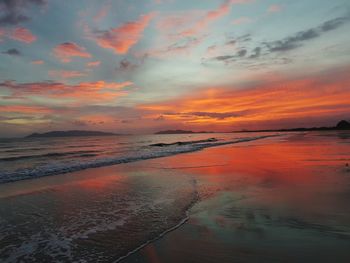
(140, 66)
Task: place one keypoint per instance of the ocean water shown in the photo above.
(36, 157)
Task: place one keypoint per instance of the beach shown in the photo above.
(277, 199)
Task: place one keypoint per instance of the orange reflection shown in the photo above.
(301, 172)
(151, 254)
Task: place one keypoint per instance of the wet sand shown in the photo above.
(267, 201)
(282, 199)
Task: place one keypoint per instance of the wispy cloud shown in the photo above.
(66, 74)
(102, 13)
(12, 52)
(22, 34)
(93, 64)
(185, 30)
(274, 8)
(38, 62)
(86, 92)
(242, 20)
(24, 109)
(121, 39)
(67, 50)
(297, 40)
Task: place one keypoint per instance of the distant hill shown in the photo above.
(69, 134)
(342, 125)
(178, 132)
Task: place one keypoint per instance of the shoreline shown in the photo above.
(161, 235)
(9, 177)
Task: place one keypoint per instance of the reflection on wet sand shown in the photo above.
(284, 200)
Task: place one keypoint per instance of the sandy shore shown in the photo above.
(273, 200)
(267, 201)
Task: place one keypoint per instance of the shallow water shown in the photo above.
(29, 158)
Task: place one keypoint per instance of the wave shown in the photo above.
(143, 154)
(54, 154)
(162, 234)
(184, 142)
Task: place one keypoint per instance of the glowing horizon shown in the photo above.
(144, 66)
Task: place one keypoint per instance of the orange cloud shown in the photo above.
(273, 101)
(242, 20)
(122, 38)
(22, 34)
(84, 92)
(274, 8)
(67, 50)
(24, 109)
(93, 64)
(213, 15)
(37, 62)
(102, 13)
(209, 17)
(66, 74)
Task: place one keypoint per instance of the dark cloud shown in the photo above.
(79, 123)
(297, 40)
(256, 53)
(212, 47)
(13, 12)
(126, 121)
(224, 58)
(12, 52)
(231, 42)
(240, 39)
(242, 53)
(160, 118)
(213, 115)
(126, 65)
(244, 38)
(292, 42)
(334, 23)
(184, 44)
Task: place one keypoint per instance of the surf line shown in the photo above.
(161, 235)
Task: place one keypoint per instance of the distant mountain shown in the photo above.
(69, 134)
(342, 125)
(178, 132)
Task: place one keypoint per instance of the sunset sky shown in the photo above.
(139, 66)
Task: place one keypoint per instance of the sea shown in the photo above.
(28, 158)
